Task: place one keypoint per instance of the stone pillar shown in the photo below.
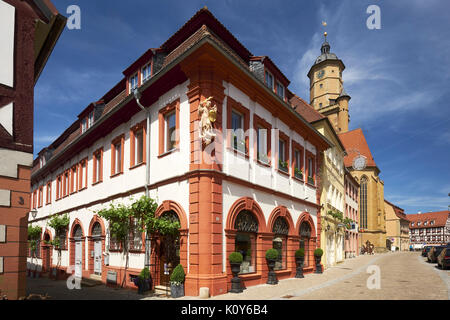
(205, 184)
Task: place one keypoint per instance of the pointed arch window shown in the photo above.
(363, 202)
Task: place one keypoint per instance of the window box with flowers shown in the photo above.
(298, 173)
(311, 180)
(283, 166)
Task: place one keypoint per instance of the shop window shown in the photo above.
(305, 237)
(245, 242)
(280, 230)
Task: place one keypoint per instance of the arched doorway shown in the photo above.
(169, 250)
(46, 252)
(78, 238)
(97, 242)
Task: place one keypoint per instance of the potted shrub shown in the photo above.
(143, 281)
(235, 259)
(177, 282)
(271, 257)
(317, 257)
(299, 260)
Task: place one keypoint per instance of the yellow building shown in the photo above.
(328, 97)
(397, 227)
(332, 197)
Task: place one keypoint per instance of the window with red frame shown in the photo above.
(49, 193)
(297, 163)
(117, 156)
(137, 138)
(41, 197)
(310, 163)
(59, 187)
(73, 179)
(97, 173)
(283, 153)
(66, 183)
(82, 175)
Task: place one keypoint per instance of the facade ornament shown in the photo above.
(208, 115)
(246, 222)
(280, 226)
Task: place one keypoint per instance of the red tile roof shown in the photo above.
(440, 219)
(399, 212)
(354, 142)
(305, 109)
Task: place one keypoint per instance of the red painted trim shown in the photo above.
(120, 139)
(141, 125)
(97, 154)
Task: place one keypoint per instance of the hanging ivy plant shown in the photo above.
(59, 223)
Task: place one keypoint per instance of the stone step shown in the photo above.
(95, 277)
(162, 289)
(90, 282)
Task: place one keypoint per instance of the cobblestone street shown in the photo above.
(404, 275)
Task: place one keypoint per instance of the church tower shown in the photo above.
(327, 94)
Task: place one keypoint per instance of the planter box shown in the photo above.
(177, 291)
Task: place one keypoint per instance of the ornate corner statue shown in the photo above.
(208, 115)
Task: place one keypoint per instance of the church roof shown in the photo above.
(354, 142)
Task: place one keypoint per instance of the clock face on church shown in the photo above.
(320, 74)
(359, 163)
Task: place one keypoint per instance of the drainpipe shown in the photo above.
(137, 96)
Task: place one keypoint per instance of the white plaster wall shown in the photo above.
(172, 165)
(248, 169)
(7, 30)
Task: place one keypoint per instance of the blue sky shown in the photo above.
(398, 76)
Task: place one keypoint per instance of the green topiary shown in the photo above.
(271, 254)
(235, 257)
(300, 253)
(177, 276)
(318, 252)
(145, 273)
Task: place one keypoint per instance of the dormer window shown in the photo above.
(41, 162)
(90, 119)
(269, 80)
(146, 72)
(418, 223)
(83, 125)
(133, 82)
(425, 223)
(280, 90)
(87, 122)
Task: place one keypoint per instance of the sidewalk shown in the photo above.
(287, 287)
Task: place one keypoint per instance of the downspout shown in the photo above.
(137, 97)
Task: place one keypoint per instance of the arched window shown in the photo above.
(280, 230)
(77, 232)
(245, 243)
(96, 230)
(305, 237)
(363, 202)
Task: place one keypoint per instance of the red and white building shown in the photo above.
(430, 228)
(247, 198)
(29, 30)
